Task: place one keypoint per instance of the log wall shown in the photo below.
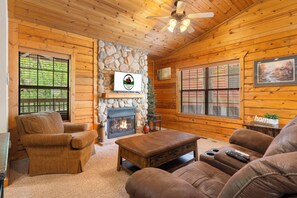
(264, 31)
(83, 66)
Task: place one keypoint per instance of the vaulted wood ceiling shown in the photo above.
(124, 21)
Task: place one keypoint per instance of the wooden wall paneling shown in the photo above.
(95, 84)
(72, 85)
(13, 83)
(83, 56)
(266, 30)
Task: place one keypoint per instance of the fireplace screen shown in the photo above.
(120, 122)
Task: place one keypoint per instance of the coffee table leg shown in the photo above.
(120, 160)
(196, 151)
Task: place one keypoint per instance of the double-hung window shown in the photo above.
(43, 84)
(212, 90)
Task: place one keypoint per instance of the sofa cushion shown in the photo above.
(82, 139)
(284, 142)
(43, 123)
(205, 178)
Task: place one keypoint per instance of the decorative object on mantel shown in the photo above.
(164, 74)
(268, 119)
(275, 72)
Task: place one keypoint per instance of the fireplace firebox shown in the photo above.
(120, 122)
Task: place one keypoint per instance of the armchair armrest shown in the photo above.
(152, 182)
(251, 139)
(71, 128)
(36, 140)
(83, 139)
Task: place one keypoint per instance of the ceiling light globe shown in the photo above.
(172, 22)
(183, 28)
(171, 29)
(186, 22)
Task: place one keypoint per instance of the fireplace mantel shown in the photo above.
(122, 95)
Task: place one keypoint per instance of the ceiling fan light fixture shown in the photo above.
(172, 23)
(183, 28)
(170, 28)
(186, 22)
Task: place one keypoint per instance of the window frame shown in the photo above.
(70, 57)
(179, 86)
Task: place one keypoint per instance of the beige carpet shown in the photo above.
(100, 178)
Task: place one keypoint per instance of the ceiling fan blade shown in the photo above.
(158, 17)
(180, 8)
(190, 29)
(200, 15)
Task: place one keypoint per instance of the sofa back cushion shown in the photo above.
(291, 123)
(40, 123)
(273, 176)
(284, 142)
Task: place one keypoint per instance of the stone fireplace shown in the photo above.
(114, 57)
(120, 122)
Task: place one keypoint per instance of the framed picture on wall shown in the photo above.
(164, 74)
(275, 72)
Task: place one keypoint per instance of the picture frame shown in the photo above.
(275, 72)
(164, 74)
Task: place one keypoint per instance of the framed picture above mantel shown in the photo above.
(275, 72)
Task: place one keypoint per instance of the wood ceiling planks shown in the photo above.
(124, 21)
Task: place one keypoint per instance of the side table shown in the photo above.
(154, 121)
(266, 129)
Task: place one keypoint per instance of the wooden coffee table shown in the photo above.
(156, 149)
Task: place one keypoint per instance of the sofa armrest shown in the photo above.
(71, 128)
(251, 139)
(152, 182)
(272, 176)
(83, 139)
(36, 140)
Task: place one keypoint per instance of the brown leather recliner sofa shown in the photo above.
(271, 173)
(54, 146)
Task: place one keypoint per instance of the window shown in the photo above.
(212, 90)
(43, 84)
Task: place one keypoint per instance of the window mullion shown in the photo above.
(206, 91)
(53, 91)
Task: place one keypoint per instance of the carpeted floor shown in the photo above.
(100, 178)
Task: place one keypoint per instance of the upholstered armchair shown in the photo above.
(54, 146)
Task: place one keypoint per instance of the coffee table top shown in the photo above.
(157, 142)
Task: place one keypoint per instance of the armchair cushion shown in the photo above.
(285, 141)
(38, 140)
(251, 139)
(141, 185)
(83, 139)
(43, 123)
(70, 128)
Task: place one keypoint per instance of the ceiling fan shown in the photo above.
(178, 18)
